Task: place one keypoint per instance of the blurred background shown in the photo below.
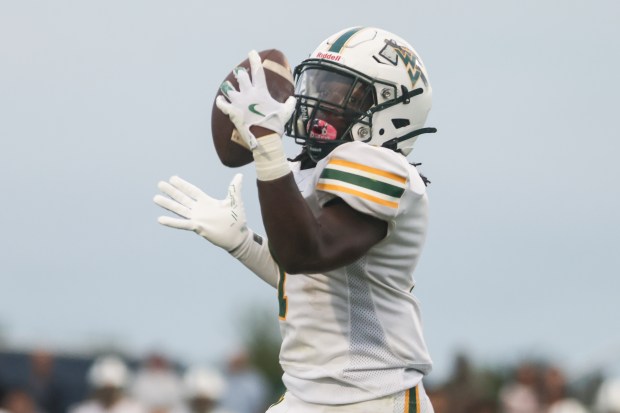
(99, 100)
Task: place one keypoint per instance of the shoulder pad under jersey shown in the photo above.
(369, 179)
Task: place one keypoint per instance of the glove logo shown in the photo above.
(226, 87)
(253, 109)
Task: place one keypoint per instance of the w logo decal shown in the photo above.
(394, 53)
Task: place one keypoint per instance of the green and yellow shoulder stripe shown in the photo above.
(376, 185)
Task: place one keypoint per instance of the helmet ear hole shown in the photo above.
(400, 123)
(381, 131)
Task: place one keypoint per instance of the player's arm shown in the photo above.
(303, 242)
(254, 253)
(220, 221)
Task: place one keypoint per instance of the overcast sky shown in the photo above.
(99, 100)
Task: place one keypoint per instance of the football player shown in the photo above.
(345, 221)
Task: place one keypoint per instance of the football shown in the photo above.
(231, 150)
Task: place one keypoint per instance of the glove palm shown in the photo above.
(220, 221)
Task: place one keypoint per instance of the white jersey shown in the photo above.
(354, 333)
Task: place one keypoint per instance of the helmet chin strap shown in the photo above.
(404, 98)
(393, 143)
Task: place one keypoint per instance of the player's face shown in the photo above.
(338, 100)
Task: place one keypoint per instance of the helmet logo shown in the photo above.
(334, 57)
(395, 53)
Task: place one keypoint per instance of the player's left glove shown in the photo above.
(253, 104)
(220, 221)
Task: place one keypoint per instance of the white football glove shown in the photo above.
(253, 104)
(222, 222)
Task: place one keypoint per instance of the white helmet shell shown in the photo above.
(108, 371)
(393, 68)
(203, 382)
(608, 396)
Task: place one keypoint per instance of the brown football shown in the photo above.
(231, 150)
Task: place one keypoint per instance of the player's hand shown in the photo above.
(252, 104)
(220, 221)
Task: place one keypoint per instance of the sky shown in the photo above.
(100, 100)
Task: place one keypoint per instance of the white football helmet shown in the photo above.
(361, 84)
(203, 382)
(108, 371)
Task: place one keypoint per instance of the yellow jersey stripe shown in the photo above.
(417, 399)
(365, 168)
(339, 188)
(407, 400)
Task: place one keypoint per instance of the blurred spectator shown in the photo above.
(202, 391)
(439, 400)
(41, 383)
(482, 406)
(521, 395)
(157, 385)
(608, 396)
(108, 377)
(18, 401)
(2, 391)
(555, 394)
(462, 389)
(247, 390)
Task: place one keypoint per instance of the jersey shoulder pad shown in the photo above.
(369, 179)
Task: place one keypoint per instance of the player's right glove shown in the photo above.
(252, 104)
(220, 221)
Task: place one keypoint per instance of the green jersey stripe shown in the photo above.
(362, 181)
(339, 43)
(413, 400)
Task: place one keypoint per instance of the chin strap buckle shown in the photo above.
(406, 97)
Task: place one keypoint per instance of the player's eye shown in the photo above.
(330, 97)
(356, 101)
(323, 93)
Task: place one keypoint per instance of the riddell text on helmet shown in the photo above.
(329, 56)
